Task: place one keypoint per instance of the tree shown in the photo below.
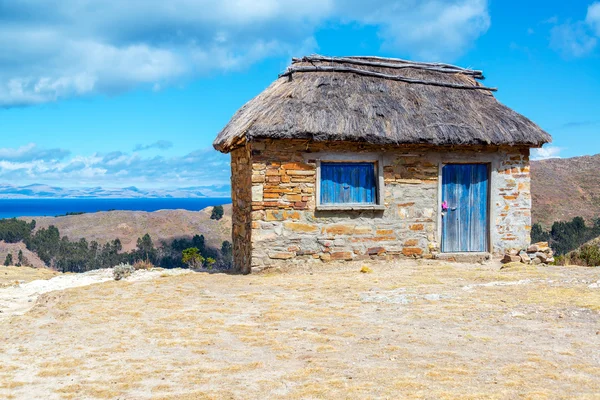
(22, 260)
(217, 213)
(192, 257)
(227, 253)
(146, 249)
(8, 260)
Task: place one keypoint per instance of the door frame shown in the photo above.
(491, 187)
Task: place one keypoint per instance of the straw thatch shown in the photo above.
(379, 101)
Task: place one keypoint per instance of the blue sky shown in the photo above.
(111, 93)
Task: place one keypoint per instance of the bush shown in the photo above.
(122, 271)
(217, 213)
(143, 265)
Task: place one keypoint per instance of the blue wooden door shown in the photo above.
(465, 223)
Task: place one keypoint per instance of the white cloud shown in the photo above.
(572, 40)
(31, 164)
(431, 30)
(579, 38)
(593, 17)
(51, 50)
(545, 153)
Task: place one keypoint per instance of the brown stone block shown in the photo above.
(363, 230)
(342, 255)
(376, 251)
(297, 179)
(272, 172)
(298, 166)
(325, 257)
(406, 204)
(412, 251)
(259, 166)
(273, 179)
(510, 197)
(411, 242)
(285, 179)
(283, 255)
(293, 197)
(258, 178)
(300, 205)
(338, 229)
(300, 227)
(417, 227)
(271, 195)
(293, 172)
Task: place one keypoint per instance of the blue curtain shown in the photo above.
(348, 183)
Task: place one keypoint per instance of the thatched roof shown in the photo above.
(379, 101)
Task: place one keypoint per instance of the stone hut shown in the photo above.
(355, 158)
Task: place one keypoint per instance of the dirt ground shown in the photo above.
(406, 330)
(10, 276)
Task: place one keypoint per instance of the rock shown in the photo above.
(536, 261)
(540, 244)
(508, 258)
(525, 258)
(541, 256)
(533, 248)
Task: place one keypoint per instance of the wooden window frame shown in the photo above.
(376, 159)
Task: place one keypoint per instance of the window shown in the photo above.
(349, 185)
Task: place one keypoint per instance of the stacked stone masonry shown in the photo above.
(274, 195)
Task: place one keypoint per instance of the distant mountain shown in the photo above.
(564, 188)
(8, 191)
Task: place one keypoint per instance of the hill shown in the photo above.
(128, 226)
(565, 188)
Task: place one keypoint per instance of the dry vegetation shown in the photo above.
(10, 276)
(405, 330)
(563, 189)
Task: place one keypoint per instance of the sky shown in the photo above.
(111, 93)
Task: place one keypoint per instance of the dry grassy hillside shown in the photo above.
(13, 248)
(565, 188)
(128, 226)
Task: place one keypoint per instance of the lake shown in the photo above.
(52, 207)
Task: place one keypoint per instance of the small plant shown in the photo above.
(366, 270)
(143, 265)
(8, 260)
(122, 271)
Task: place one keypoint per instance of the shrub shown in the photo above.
(589, 255)
(143, 265)
(8, 260)
(122, 271)
(217, 213)
(192, 257)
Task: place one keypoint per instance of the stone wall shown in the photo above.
(286, 228)
(241, 198)
(512, 202)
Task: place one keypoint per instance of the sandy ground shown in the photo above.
(22, 295)
(407, 330)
